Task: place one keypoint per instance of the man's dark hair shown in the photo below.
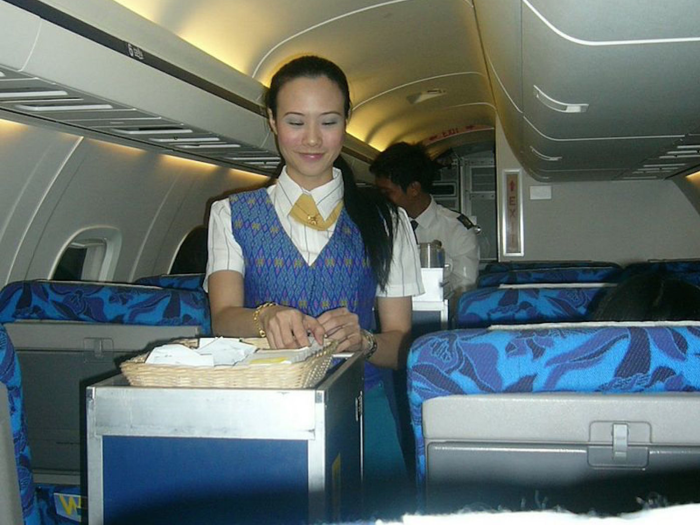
(404, 163)
(652, 296)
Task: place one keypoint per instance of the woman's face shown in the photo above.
(310, 128)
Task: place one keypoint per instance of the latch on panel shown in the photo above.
(620, 436)
(98, 345)
(616, 444)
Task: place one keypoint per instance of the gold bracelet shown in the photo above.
(256, 317)
(371, 342)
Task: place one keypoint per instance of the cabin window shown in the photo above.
(191, 257)
(90, 256)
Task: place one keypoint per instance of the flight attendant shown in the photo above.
(310, 256)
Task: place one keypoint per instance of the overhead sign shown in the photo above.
(459, 130)
(512, 214)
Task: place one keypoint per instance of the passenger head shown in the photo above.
(404, 173)
(650, 296)
(192, 255)
(308, 105)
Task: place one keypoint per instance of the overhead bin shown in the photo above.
(501, 36)
(177, 97)
(566, 73)
(545, 154)
(585, 82)
(500, 25)
(108, 88)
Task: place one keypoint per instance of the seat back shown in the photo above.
(586, 274)
(95, 302)
(71, 334)
(17, 497)
(183, 281)
(690, 277)
(521, 305)
(577, 357)
(670, 266)
(507, 266)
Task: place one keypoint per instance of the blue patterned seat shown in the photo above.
(104, 303)
(551, 275)
(581, 357)
(684, 266)
(691, 277)
(486, 306)
(508, 266)
(11, 377)
(183, 281)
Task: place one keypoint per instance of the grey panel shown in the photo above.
(622, 20)
(500, 29)
(546, 154)
(483, 207)
(571, 447)
(509, 114)
(58, 360)
(632, 88)
(10, 504)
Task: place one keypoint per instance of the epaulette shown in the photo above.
(465, 221)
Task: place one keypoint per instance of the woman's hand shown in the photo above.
(343, 326)
(287, 327)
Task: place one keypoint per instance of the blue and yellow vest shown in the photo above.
(276, 271)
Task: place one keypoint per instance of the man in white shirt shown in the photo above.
(404, 173)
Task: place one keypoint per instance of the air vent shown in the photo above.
(34, 96)
(635, 176)
(209, 146)
(683, 151)
(26, 94)
(653, 171)
(417, 98)
(155, 130)
(188, 140)
(48, 108)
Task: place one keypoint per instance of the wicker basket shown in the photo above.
(304, 374)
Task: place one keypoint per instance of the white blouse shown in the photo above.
(226, 254)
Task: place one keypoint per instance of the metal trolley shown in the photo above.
(187, 455)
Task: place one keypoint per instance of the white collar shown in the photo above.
(326, 196)
(429, 214)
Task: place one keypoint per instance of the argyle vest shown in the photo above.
(276, 271)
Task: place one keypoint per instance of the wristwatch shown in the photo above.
(372, 344)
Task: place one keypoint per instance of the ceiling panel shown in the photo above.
(389, 50)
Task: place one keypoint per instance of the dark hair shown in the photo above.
(404, 163)
(652, 296)
(373, 214)
(192, 254)
(308, 66)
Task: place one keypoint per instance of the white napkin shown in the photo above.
(177, 354)
(219, 351)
